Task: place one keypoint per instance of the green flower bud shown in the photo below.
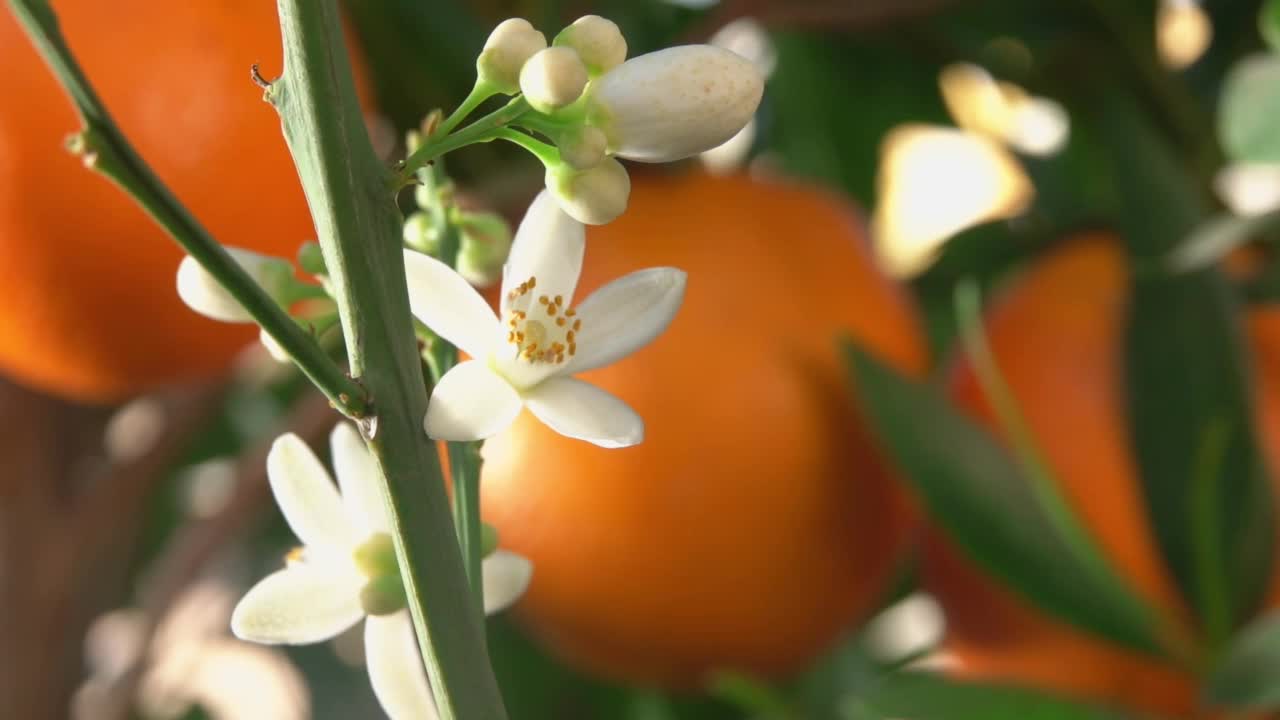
(485, 243)
(376, 557)
(488, 539)
(421, 233)
(383, 595)
(311, 259)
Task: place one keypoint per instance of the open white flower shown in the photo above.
(347, 570)
(527, 358)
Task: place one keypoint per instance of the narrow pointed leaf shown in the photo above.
(1248, 675)
(975, 490)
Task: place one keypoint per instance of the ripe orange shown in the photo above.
(1057, 334)
(92, 312)
(754, 523)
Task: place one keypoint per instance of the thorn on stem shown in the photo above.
(256, 75)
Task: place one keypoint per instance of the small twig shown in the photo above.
(107, 151)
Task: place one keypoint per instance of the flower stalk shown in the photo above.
(360, 233)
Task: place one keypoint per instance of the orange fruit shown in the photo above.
(754, 524)
(92, 311)
(1056, 333)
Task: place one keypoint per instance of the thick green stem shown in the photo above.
(464, 458)
(438, 143)
(105, 149)
(360, 232)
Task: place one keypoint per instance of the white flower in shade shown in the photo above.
(1250, 188)
(934, 182)
(507, 49)
(203, 293)
(674, 103)
(1003, 111)
(553, 78)
(347, 570)
(527, 358)
(1183, 32)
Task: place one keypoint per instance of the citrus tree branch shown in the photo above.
(360, 233)
(105, 149)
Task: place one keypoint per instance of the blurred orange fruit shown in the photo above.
(92, 311)
(755, 523)
(1056, 333)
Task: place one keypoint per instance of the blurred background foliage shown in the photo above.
(1142, 157)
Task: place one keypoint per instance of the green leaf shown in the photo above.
(1269, 23)
(924, 696)
(1189, 399)
(977, 492)
(1248, 108)
(1248, 675)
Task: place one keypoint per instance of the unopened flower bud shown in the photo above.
(203, 293)
(553, 78)
(583, 147)
(674, 103)
(597, 41)
(311, 259)
(383, 595)
(592, 197)
(421, 233)
(485, 244)
(508, 48)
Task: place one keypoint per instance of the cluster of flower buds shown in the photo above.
(596, 106)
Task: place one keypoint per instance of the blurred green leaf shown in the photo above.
(1248, 110)
(1269, 23)
(924, 696)
(1248, 675)
(976, 491)
(1189, 399)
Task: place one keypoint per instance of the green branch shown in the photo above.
(105, 149)
(439, 143)
(359, 228)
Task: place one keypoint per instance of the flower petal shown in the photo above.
(471, 402)
(305, 603)
(445, 302)
(581, 410)
(548, 246)
(307, 497)
(395, 668)
(358, 479)
(626, 315)
(506, 576)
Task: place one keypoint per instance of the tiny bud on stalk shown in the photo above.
(508, 48)
(593, 197)
(421, 233)
(583, 148)
(597, 41)
(486, 242)
(553, 78)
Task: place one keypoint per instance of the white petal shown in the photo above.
(676, 102)
(395, 668)
(445, 302)
(358, 478)
(307, 497)
(581, 410)
(204, 294)
(626, 315)
(934, 182)
(506, 577)
(305, 603)
(470, 402)
(548, 246)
